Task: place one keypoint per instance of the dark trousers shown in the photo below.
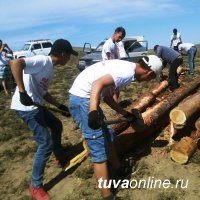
(173, 76)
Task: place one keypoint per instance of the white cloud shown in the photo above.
(24, 14)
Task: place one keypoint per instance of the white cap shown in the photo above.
(155, 64)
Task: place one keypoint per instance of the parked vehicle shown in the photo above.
(135, 47)
(34, 47)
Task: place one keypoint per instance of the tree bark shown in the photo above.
(183, 150)
(141, 104)
(185, 109)
(153, 118)
(144, 101)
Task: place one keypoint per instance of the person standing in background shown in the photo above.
(190, 50)
(175, 39)
(110, 50)
(5, 73)
(174, 59)
(122, 53)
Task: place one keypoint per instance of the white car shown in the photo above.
(34, 47)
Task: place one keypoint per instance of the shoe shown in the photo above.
(38, 193)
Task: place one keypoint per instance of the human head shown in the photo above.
(149, 67)
(1, 43)
(62, 49)
(175, 31)
(62, 46)
(155, 47)
(119, 34)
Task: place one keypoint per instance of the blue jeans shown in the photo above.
(191, 55)
(97, 140)
(39, 120)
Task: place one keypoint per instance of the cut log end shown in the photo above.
(179, 157)
(183, 150)
(177, 116)
(197, 124)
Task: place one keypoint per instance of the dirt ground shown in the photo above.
(150, 161)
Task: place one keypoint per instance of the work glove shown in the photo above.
(94, 120)
(25, 99)
(64, 109)
(130, 116)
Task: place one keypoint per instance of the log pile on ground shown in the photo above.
(157, 116)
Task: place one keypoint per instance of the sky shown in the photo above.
(92, 21)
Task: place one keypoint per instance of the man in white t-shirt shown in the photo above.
(33, 76)
(122, 53)
(190, 50)
(175, 39)
(110, 49)
(102, 80)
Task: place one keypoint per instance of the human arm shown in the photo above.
(109, 55)
(1, 48)
(110, 100)
(94, 120)
(17, 67)
(54, 102)
(9, 49)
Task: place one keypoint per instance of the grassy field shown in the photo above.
(17, 151)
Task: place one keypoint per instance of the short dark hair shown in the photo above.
(60, 46)
(175, 30)
(122, 30)
(155, 47)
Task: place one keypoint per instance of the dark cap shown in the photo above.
(60, 46)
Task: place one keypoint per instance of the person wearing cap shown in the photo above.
(101, 80)
(33, 76)
(174, 59)
(175, 39)
(190, 50)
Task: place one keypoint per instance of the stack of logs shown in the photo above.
(130, 135)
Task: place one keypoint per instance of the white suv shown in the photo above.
(34, 47)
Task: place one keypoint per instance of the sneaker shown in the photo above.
(38, 193)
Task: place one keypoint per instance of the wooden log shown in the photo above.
(195, 135)
(183, 150)
(185, 109)
(152, 119)
(144, 101)
(197, 124)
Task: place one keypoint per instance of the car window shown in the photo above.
(135, 46)
(36, 46)
(47, 45)
(26, 47)
(100, 46)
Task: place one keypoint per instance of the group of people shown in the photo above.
(184, 48)
(102, 80)
(5, 72)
